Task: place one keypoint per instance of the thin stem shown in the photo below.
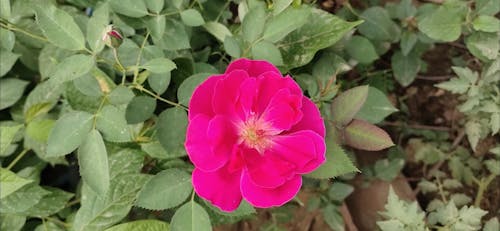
(61, 223)
(139, 56)
(141, 88)
(222, 10)
(483, 185)
(19, 157)
(122, 69)
(101, 105)
(12, 27)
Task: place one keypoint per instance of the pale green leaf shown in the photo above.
(172, 124)
(192, 17)
(156, 150)
(232, 47)
(444, 24)
(50, 56)
(376, 107)
(11, 90)
(265, 50)
(139, 109)
(72, 68)
(346, 105)
(10, 182)
(408, 41)
(190, 217)
(287, 21)
(487, 7)
(130, 8)
(7, 39)
(120, 95)
(378, 25)
(321, 31)
(219, 31)
(59, 27)
(253, 24)
(486, 23)
(23, 199)
(361, 49)
(68, 133)
(144, 225)
(11, 222)
(187, 87)
(49, 204)
(93, 162)
(8, 135)
(159, 82)
(112, 124)
(483, 45)
(7, 60)
(159, 65)
(155, 5)
(172, 182)
(365, 136)
(405, 68)
(492, 225)
(96, 27)
(473, 132)
(174, 36)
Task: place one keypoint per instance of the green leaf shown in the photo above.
(5, 12)
(7, 60)
(187, 87)
(174, 36)
(11, 90)
(218, 216)
(487, 7)
(219, 31)
(96, 27)
(405, 68)
(23, 199)
(10, 182)
(149, 225)
(121, 95)
(112, 124)
(339, 191)
(159, 82)
(93, 162)
(11, 222)
(68, 133)
(100, 211)
(361, 49)
(337, 162)
(483, 45)
(376, 107)
(172, 182)
(321, 31)
(159, 65)
(280, 5)
(486, 23)
(130, 8)
(365, 136)
(50, 204)
(408, 41)
(253, 24)
(156, 26)
(378, 25)
(232, 47)
(444, 24)
(387, 169)
(7, 39)
(156, 150)
(493, 166)
(267, 51)
(473, 131)
(140, 109)
(52, 56)
(172, 124)
(332, 217)
(79, 101)
(192, 17)
(72, 68)
(346, 105)
(401, 215)
(190, 217)
(59, 27)
(287, 21)
(8, 134)
(492, 225)
(155, 5)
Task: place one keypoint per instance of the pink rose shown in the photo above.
(251, 135)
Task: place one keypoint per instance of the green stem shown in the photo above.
(122, 68)
(19, 157)
(139, 56)
(12, 27)
(482, 186)
(141, 88)
(58, 222)
(101, 105)
(222, 10)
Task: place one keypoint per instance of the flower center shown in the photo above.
(255, 134)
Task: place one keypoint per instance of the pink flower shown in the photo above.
(251, 135)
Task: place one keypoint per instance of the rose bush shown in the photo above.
(251, 135)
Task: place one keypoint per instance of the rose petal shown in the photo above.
(222, 135)
(198, 145)
(306, 149)
(267, 171)
(221, 188)
(311, 120)
(283, 110)
(227, 92)
(269, 83)
(201, 100)
(253, 67)
(268, 197)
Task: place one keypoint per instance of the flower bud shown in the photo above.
(112, 37)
